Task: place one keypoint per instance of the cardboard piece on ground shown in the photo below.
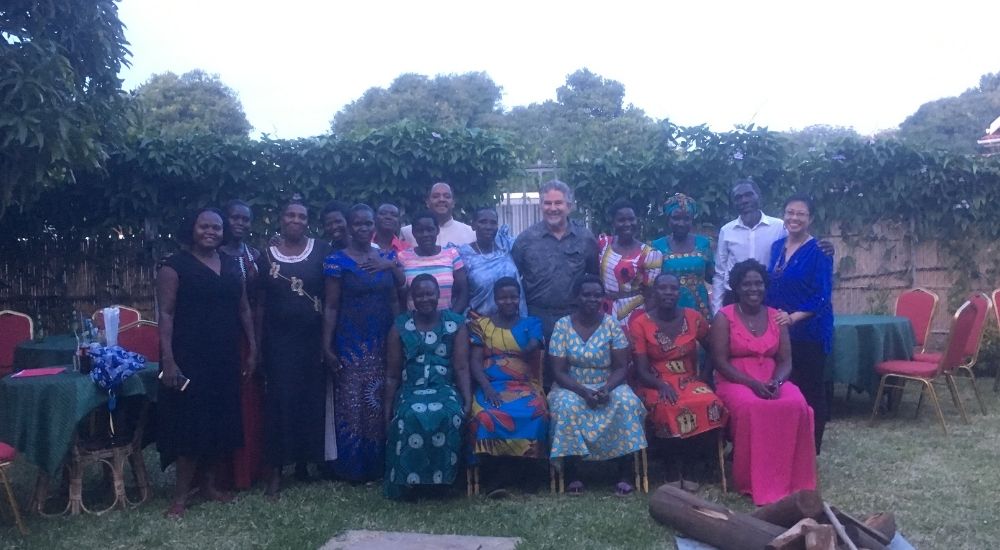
(387, 540)
(898, 543)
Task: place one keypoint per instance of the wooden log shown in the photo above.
(883, 522)
(860, 533)
(789, 510)
(794, 538)
(841, 534)
(709, 522)
(820, 537)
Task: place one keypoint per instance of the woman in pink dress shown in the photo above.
(771, 425)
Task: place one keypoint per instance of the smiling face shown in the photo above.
(425, 232)
(625, 224)
(335, 227)
(508, 300)
(751, 289)
(207, 233)
(668, 290)
(387, 218)
(239, 218)
(746, 199)
(486, 225)
(294, 221)
(555, 208)
(679, 222)
(441, 201)
(425, 296)
(362, 227)
(797, 218)
(590, 297)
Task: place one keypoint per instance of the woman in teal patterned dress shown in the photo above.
(428, 363)
(687, 256)
(595, 415)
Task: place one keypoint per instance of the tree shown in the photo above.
(193, 103)
(954, 123)
(448, 102)
(819, 137)
(61, 106)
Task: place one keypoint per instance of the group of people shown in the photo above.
(405, 353)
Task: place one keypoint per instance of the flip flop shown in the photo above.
(575, 488)
(623, 489)
(497, 494)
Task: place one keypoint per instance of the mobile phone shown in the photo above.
(184, 380)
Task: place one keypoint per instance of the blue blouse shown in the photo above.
(803, 282)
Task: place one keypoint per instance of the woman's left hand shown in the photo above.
(377, 263)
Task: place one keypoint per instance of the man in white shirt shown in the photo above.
(441, 202)
(748, 236)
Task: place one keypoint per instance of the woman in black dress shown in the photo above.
(289, 314)
(202, 305)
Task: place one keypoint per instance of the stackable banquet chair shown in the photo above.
(142, 337)
(899, 372)
(918, 305)
(971, 352)
(126, 316)
(6, 459)
(15, 327)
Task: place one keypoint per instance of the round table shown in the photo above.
(50, 351)
(862, 341)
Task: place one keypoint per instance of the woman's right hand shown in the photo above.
(332, 360)
(667, 392)
(171, 373)
(492, 398)
(591, 397)
(760, 389)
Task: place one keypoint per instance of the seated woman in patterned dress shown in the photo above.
(428, 353)
(510, 416)
(595, 415)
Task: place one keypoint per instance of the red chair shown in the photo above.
(126, 316)
(918, 306)
(972, 345)
(6, 459)
(142, 337)
(927, 373)
(15, 327)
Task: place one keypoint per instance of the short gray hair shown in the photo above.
(556, 185)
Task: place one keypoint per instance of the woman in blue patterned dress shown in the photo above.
(427, 392)
(486, 260)
(595, 415)
(685, 255)
(361, 302)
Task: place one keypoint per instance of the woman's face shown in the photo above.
(362, 226)
(679, 223)
(590, 297)
(294, 221)
(625, 223)
(752, 289)
(207, 233)
(797, 218)
(425, 297)
(668, 290)
(335, 227)
(239, 218)
(387, 218)
(486, 225)
(425, 232)
(508, 300)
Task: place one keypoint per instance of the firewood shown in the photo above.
(820, 537)
(860, 533)
(841, 534)
(789, 510)
(883, 522)
(709, 522)
(794, 538)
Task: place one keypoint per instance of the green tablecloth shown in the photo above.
(50, 351)
(862, 341)
(39, 414)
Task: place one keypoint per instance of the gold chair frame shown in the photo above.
(927, 332)
(11, 499)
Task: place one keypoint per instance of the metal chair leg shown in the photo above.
(953, 388)
(645, 472)
(722, 459)
(937, 404)
(15, 510)
(878, 400)
(975, 388)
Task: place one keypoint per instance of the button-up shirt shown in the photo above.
(737, 242)
(549, 266)
(450, 232)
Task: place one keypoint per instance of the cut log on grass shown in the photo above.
(789, 510)
(710, 522)
(861, 534)
(820, 537)
(883, 522)
(794, 538)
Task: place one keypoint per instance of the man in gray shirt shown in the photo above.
(551, 254)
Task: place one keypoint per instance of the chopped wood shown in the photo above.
(789, 510)
(861, 533)
(710, 522)
(883, 522)
(794, 538)
(838, 527)
(820, 537)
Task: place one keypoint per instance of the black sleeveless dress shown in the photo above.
(204, 420)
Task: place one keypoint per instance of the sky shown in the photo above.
(781, 64)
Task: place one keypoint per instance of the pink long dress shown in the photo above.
(774, 453)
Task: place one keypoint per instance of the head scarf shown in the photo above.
(680, 201)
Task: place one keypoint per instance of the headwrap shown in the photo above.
(680, 201)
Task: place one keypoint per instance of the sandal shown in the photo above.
(176, 511)
(575, 488)
(623, 489)
(497, 494)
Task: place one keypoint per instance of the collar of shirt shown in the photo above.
(764, 220)
(570, 230)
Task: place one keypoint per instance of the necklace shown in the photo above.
(479, 249)
(750, 321)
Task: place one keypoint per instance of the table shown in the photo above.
(862, 341)
(39, 415)
(50, 351)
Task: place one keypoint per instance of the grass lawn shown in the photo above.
(942, 489)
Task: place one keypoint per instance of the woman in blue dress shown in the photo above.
(801, 290)
(486, 260)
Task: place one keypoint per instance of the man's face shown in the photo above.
(555, 207)
(441, 201)
(745, 199)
